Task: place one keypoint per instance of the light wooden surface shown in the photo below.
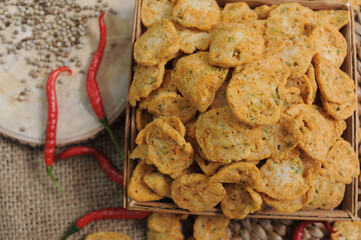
(26, 120)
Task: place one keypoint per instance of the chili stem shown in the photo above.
(104, 122)
(49, 170)
(73, 229)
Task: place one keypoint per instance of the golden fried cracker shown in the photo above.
(197, 80)
(318, 132)
(163, 222)
(336, 196)
(258, 103)
(292, 18)
(209, 168)
(192, 39)
(195, 193)
(220, 100)
(201, 14)
(323, 185)
(309, 163)
(137, 189)
(222, 137)
(240, 173)
(107, 236)
(342, 161)
(282, 177)
(233, 44)
(166, 86)
(154, 10)
(167, 149)
(171, 103)
(158, 43)
(329, 43)
(240, 201)
(335, 85)
(340, 111)
(275, 39)
(297, 54)
(238, 12)
(264, 10)
(140, 152)
(346, 230)
(337, 18)
(159, 183)
(210, 227)
(175, 123)
(145, 80)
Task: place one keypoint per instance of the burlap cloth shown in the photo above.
(31, 207)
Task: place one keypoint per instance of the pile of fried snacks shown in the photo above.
(241, 108)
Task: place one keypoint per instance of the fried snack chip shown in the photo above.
(318, 132)
(306, 89)
(201, 14)
(342, 161)
(172, 121)
(337, 18)
(195, 193)
(145, 80)
(297, 54)
(175, 123)
(210, 227)
(172, 104)
(287, 206)
(324, 183)
(241, 173)
(209, 168)
(159, 183)
(158, 43)
(291, 97)
(140, 152)
(336, 196)
(154, 10)
(282, 177)
(174, 234)
(142, 118)
(329, 43)
(273, 140)
(275, 40)
(240, 201)
(222, 137)
(163, 222)
(167, 149)
(238, 12)
(197, 80)
(166, 86)
(258, 103)
(192, 39)
(340, 111)
(292, 19)
(107, 236)
(335, 85)
(346, 230)
(137, 189)
(264, 10)
(233, 44)
(312, 77)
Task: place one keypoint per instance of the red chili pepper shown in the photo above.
(298, 231)
(92, 85)
(50, 140)
(105, 164)
(106, 213)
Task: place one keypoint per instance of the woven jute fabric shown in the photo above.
(31, 207)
